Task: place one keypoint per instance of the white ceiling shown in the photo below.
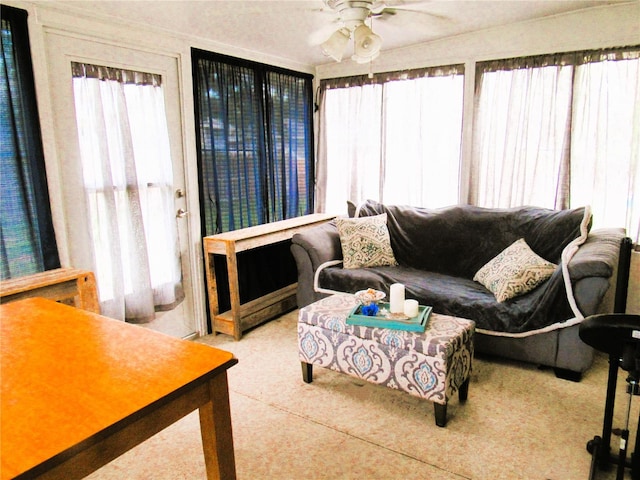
(293, 29)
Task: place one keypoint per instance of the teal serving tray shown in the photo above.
(415, 324)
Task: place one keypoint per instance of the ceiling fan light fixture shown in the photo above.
(336, 45)
(359, 59)
(366, 44)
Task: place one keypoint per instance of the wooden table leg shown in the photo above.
(88, 293)
(234, 290)
(216, 431)
(212, 289)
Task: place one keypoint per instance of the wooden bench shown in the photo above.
(66, 285)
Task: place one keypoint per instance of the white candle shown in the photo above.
(411, 308)
(396, 298)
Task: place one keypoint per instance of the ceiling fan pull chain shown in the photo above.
(371, 59)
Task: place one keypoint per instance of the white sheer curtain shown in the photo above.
(394, 139)
(353, 163)
(521, 136)
(605, 146)
(127, 171)
(561, 131)
(423, 129)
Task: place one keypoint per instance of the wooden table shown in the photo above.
(79, 389)
(241, 317)
(70, 285)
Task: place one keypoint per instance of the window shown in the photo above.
(520, 139)
(26, 228)
(605, 140)
(561, 131)
(394, 138)
(255, 160)
(255, 142)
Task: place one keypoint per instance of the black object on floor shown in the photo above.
(618, 335)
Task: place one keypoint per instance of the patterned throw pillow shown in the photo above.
(514, 271)
(365, 242)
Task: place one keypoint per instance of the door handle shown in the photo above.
(181, 213)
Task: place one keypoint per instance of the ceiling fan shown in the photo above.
(352, 15)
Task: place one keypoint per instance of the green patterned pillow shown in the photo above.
(365, 242)
(514, 271)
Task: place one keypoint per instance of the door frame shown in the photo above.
(57, 130)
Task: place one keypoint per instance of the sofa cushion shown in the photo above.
(460, 239)
(460, 297)
(514, 271)
(365, 242)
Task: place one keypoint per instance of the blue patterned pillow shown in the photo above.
(365, 242)
(514, 271)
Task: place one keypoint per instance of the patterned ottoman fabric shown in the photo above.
(433, 365)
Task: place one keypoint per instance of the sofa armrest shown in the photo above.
(593, 271)
(310, 249)
(321, 244)
(598, 256)
(594, 295)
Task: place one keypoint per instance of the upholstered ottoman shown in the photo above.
(433, 365)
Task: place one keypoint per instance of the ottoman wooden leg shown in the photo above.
(463, 391)
(441, 414)
(307, 372)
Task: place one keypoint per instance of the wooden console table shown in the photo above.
(67, 285)
(241, 317)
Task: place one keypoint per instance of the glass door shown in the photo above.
(119, 137)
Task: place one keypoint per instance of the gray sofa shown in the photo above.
(439, 251)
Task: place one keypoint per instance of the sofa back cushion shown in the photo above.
(460, 239)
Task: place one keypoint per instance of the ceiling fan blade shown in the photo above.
(378, 8)
(420, 7)
(406, 3)
(384, 9)
(423, 12)
(386, 12)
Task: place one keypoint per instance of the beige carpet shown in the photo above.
(519, 422)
